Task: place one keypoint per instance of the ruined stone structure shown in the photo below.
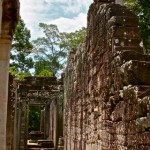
(9, 14)
(45, 91)
(14, 103)
(107, 92)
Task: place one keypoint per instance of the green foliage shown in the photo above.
(45, 73)
(133, 5)
(142, 9)
(51, 50)
(18, 74)
(34, 118)
(21, 39)
(21, 48)
(47, 48)
(41, 65)
(73, 39)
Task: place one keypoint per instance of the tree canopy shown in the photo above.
(51, 49)
(142, 9)
(72, 39)
(20, 62)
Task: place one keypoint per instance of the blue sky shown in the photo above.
(68, 15)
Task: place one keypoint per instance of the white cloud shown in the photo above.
(59, 1)
(70, 25)
(73, 6)
(68, 16)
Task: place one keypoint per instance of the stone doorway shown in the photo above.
(44, 92)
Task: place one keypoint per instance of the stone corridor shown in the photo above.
(105, 89)
(34, 91)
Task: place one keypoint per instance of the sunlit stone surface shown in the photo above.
(107, 84)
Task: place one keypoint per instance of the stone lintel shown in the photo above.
(1, 14)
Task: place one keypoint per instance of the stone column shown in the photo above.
(23, 126)
(1, 12)
(10, 122)
(42, 121)
(53, 118)
(50, 124)
(5, 42)
(46, 120)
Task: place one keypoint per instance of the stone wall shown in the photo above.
(107, 92)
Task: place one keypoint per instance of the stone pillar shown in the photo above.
(9, 15)
(5, 42)
(16, 124)
(23, 126)
(1, 12)
(10, 116)
(46, 131)
(55, 118)
(53, 123)
(42, 121)
(50, 124)
(18, 129)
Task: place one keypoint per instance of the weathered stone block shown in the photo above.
(144, 138)
(132, 55)
(124, 32)
(130, 95)
(117, 10)
(121, 140)
(136, 72)
(119, 112)
(126, 21)
(121, 128)
(144, 147)
(143, 123)
(117, 41)
(132, 140)
(119, 50)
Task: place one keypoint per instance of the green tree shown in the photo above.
(34, 118)
(43, 68)
(13, 70)
(21, 48)
(142, 9)
(52, 49)
(47, 48)
(73, 39)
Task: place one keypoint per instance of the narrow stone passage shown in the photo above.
(105, 93)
